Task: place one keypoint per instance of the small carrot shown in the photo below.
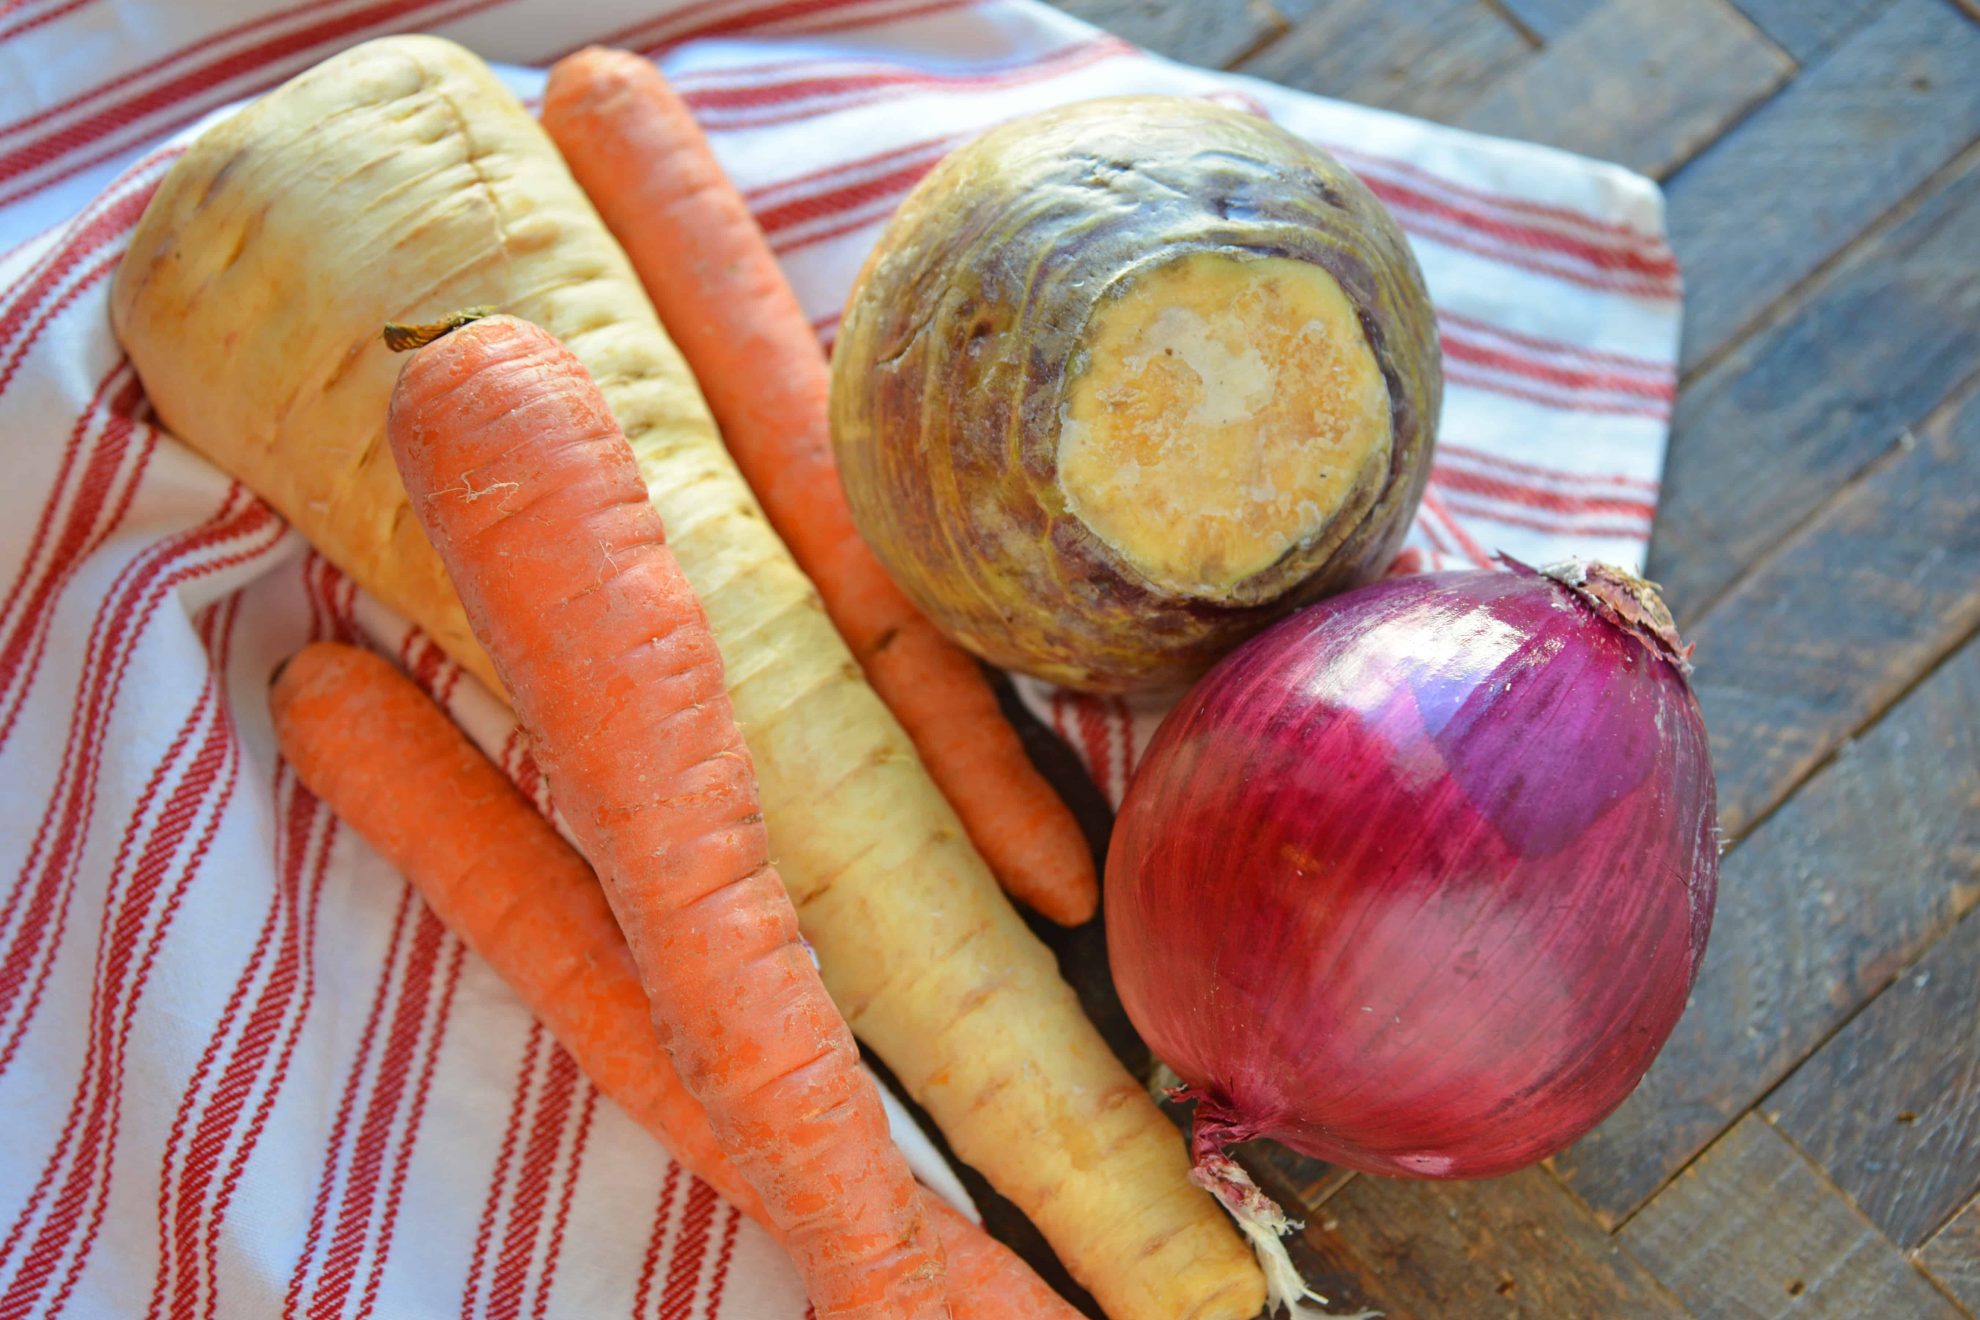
(525, 485)
(636, 150)
(391, 764)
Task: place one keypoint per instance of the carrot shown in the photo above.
(363, 738)
(525, 485)
(638, 153)
(400, 180)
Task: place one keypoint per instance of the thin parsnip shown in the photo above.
(636, 150)
(391, 764)
(400, 181)
(526, 486)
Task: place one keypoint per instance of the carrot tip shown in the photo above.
(403, 338)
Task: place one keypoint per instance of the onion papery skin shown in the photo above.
(1418, 881)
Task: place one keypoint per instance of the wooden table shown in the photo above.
(1809, 1142)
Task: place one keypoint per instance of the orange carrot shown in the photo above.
(638, 153)
(524, 483)
(391, 764)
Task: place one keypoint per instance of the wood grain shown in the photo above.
(1866, 597)
(1891, 1106)
(1843, 144)
(1953, 1257)
(1791, 415)
(1806, 29)
(1818, 910)
(1209, 32)
(1752, 1230)
(1308, 1182)
(1515, 1246)
(1547, 19)
(1644, 83)
(1430, 58)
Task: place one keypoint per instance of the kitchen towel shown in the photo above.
(244, 1071)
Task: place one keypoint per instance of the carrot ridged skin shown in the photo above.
(528, 490)
(389, 762)
(636, 150)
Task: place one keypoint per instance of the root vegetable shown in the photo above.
(1125, 381)
(395, 769)
(607, 655)
(399, 181)
(644, 162)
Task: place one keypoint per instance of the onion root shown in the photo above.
(1262, 1220)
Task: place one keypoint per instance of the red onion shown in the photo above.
(1418, 881)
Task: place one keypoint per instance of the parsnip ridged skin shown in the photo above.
(400, 181)
(983, 313)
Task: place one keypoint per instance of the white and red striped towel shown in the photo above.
(244, 1073)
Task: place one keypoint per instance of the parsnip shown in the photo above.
(400, 181)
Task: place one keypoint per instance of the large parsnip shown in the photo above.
(401, 181)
